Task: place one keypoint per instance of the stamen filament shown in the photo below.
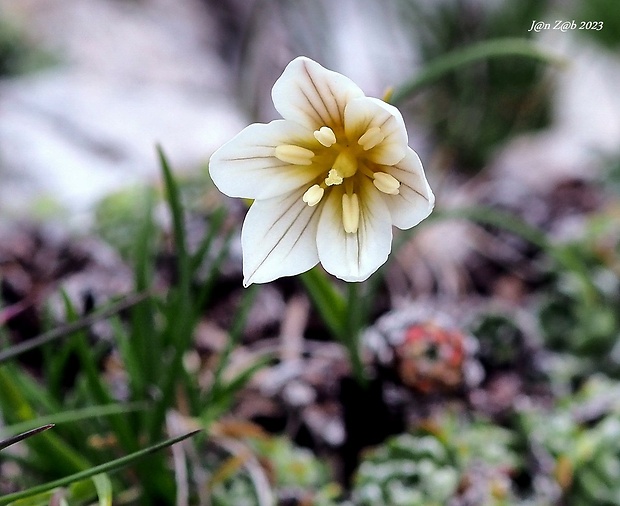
(350, 213)
(296, 155)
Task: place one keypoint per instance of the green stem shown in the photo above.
(344, 318)
(329, 303)
(351, 334)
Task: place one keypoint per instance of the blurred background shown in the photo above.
(502, 328)
(87, 89)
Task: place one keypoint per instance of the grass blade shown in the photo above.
(475, 52)
(108, 467)
(68, 329)
(75, 415)
(329, 303)
(20, 437)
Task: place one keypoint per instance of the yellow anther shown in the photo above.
(333, 177)
(371, 138)
(350, 213)
(386, 183)
(313, 195)
(296, 155)
(345, 163)
(325, 136)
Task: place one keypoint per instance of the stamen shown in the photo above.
(313, 195)
(386, 183)
(333, 177)
(345, 163)
(325, 136)
(371, 138)
(296, 155)
(350, 213)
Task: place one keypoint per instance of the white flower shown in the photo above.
(328, 181)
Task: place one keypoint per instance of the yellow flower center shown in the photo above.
(338, 160)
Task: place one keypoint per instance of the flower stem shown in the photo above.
(351, 334)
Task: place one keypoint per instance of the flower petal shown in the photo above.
(246, 166)
(355, 256)
(313, 96)
(415, 199)
(278, 238)
(365, 113)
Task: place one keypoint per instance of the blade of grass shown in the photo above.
(180, 311)
(48, 446)
(104, 489)
(511, 223)
(76, 415)
(221, 398)
(215, 225)
(24, 435)
(68, 329)
(143, 350)
(330, 304)
(449, 62)
(97, 387)
(233, 339)
(108, 467)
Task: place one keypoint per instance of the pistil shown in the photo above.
(345, 163)
(333, 178)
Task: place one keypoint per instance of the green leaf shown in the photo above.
(104, 489)
(330, 304)
(179, 310)
(108, 467)
(24, 435)
(75, 415)
(475, 52)
(66, 330)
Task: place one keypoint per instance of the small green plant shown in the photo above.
(153, 330)
(439, 464)
(586, 323)
(582, 436)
